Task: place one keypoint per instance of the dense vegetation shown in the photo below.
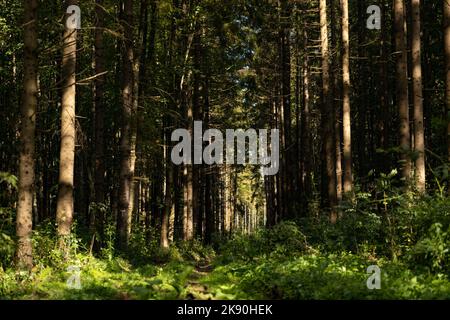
(306, 259)
(94, 206)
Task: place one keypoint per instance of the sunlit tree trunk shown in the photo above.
(126, 173)
(346, 116)
(27, 138)
(402, 89)
(306, 118)
(419, 138)
(186, 101)
(64, 208)
(334, 91)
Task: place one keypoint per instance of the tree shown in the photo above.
(27, 138)
(99, 103)
(328, 115)
(187, 104)
(402, 88)
(128, 116)
(419, 134)
(305, 118)
(64, 207)
(285, 106)
(346, 118)
(447, 69)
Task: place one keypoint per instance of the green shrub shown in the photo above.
(284, 239)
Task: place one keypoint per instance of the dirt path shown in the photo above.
(195, 289)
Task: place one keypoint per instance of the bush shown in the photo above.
(284, 239)
(432, 251)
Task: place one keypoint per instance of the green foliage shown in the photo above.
(288, 261)
(284, 238)
(106, 277)
(315, 274)
(7, 231)
(406, 235)
(7, 248)
(99, 279)
(433, 249)
(316, 260)
(9, 179)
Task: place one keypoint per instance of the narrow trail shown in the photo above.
(195, 289)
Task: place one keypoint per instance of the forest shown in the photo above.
(223, 150)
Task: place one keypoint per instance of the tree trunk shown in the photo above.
(27, 138)
(168, 199)
(99, 183)
(335, 94)
(186, 101)
(126, 173)
(346, 118)
(64, 209)
(402, 89)
(306, 116)
(419, 138)
(328, 116)
(385, 117)
(447, 70)
(285, 112)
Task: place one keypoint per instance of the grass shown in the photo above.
(99, 279)
(303, 276)
(288, 261)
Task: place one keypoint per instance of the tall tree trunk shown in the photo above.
(384, 87)
(99, 182)
(27, 138)
(168, 198)
(207, 169)
(285, 112)
(64, 208)
(328, 115)
(306, 127)
(335, 93)
(197, 116)
(346, 116)
(447, 70)
(402, 89)
(186, 102)
(128, 116)
(188, 222)
(419, 138)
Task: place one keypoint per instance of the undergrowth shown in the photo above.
(407, 238)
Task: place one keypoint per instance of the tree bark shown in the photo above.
(402, 89)
(447, 70)
(64, 208)
(27, 138)
(168, 199)
(186, 101)
(346, 116)
(385, 117)
(305, 119)
(419, 138)
(328, 115)
(126, 173)
(99, 183)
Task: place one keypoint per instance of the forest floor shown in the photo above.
(272, 264)
(307, 276)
